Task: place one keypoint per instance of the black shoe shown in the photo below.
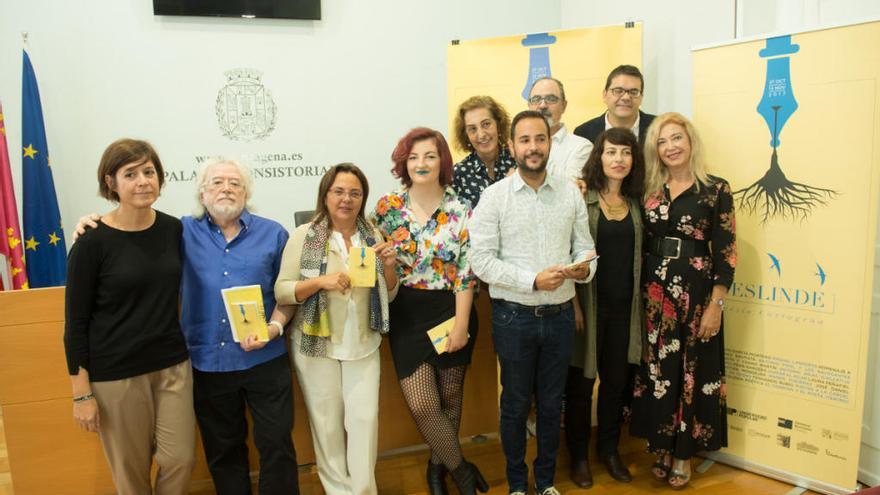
(580, 474)
(468, 479)
(616, 468)
(436, 479)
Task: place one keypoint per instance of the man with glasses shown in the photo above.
(568, 152)
(624, 89)
(224, 246)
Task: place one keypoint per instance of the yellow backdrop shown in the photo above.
(580, 58)
(798, 315)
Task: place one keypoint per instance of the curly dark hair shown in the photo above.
(634, 183)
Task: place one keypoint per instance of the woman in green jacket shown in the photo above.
(611, 339)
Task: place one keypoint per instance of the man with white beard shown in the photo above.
(568, 152)
(227, 246)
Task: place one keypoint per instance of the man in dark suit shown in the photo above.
(623, 96)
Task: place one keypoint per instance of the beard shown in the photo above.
(548, 116)
(225, 212)
(521, 163)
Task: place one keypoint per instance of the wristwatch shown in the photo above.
(278, 324)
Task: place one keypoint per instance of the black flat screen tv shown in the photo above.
(272, 9)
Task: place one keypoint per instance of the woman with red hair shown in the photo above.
(428, 226)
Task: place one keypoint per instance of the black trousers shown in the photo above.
(615, 387)
(220, 399)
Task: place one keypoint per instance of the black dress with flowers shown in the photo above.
(679, 401)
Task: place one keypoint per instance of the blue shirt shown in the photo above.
(211, 264)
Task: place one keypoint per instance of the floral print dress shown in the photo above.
(679, 402)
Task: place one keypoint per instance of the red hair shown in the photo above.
(401, 153)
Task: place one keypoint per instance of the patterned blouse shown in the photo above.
(470, 178)
(434, 256)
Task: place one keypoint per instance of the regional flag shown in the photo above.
(11, 248)
(44, 249)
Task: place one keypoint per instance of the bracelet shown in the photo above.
(83, 398)
(278, 324)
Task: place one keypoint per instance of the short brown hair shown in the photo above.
(527, 114)
(123, 152)
(502, 120)
(401, 153)
(327, 181)
(625, 70)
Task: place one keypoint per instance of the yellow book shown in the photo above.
(362, 266)
(244, 308)
(439, 335)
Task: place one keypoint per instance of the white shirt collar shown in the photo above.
(560, 134)
(634, 128)
(519, 183)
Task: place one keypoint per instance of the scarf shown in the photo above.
(313, 264)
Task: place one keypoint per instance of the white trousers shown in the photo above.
(342, 399)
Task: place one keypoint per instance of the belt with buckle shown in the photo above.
(538, 311)
(676, 247)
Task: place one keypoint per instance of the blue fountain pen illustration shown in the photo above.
(778, 102)
(539, 59)
(774, 195)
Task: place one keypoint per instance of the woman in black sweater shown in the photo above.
(131, 376)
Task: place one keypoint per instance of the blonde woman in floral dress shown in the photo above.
(679, 401)
(428, 226)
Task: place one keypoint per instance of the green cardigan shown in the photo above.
(584, 345)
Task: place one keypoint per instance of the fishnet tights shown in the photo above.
(434, 397)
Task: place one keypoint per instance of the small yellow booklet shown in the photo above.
(244, 308)
(362, 266)
(439, 335)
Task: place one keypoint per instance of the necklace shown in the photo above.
(616, 211)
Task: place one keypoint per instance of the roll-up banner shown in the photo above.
(793, 122)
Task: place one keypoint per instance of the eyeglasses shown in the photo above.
(354, 194)
(549, 99)
(618, 92)
(218, 182)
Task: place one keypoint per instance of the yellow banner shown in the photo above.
(791, 122)
(504, 68)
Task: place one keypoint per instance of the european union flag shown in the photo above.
(45, 252)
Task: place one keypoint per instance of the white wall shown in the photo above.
(670, 30)
(347, 87)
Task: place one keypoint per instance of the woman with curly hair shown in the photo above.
(480, 128)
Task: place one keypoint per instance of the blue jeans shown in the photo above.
(534, 352)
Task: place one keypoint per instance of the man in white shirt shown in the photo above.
(530, 243)
(569, 152)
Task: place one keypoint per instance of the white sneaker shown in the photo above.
(550, 490)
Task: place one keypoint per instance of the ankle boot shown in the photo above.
(436, 479)
(469, 479)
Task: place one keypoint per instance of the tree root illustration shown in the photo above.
(775, 196)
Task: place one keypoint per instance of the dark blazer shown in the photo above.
(591, 128)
